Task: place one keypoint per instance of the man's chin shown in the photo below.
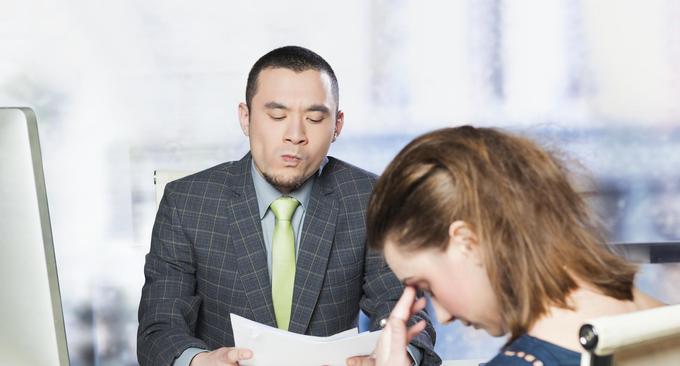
(285, 183)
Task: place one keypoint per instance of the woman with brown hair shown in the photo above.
(489, 225)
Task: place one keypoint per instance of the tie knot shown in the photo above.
(284, 207)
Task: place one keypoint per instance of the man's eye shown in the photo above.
(277, 118)
(316, 117)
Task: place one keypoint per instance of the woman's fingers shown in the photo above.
(402, 310)
(415, 330)
(405, 308)
(418, 305)
(391, 347)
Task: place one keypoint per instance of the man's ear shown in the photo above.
(339, 122)
(462, 238)
(244, 118)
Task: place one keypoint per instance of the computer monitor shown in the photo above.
(31, 319)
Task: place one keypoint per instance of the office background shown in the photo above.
(125, 87)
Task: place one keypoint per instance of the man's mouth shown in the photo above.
(291, 159)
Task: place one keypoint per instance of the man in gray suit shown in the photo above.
(220, 239)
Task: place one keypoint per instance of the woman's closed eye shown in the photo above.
(421, 286)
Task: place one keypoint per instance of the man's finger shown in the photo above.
(361, 361)
(236, 354)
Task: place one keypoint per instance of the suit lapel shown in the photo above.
(315, 244)
(249, 245)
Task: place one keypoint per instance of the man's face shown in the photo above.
(291, 124)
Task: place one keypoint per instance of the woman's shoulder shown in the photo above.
(529, 351)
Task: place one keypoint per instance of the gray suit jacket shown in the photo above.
(208, 260)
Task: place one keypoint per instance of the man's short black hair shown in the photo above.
(295, 58)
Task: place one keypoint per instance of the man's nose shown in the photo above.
(295, 131)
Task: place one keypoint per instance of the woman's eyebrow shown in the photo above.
(408, 281)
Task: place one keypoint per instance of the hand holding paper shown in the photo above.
(273, 346)
(225, 356)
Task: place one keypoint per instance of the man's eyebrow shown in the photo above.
(275, 105)
(318, 108)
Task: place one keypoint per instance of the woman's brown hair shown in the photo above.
(538, 233)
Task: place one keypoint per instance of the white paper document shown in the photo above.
(275, 347)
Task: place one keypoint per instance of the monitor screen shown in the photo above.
(31, 319)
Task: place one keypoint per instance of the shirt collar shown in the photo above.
(266, 193)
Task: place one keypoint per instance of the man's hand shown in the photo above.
(225, 356)
(391, 348)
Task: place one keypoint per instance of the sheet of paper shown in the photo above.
(275, 347)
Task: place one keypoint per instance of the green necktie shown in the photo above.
(283, 259)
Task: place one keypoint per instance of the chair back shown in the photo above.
(648, 337)
(163, 177)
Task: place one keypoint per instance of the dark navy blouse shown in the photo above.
(531, 351)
